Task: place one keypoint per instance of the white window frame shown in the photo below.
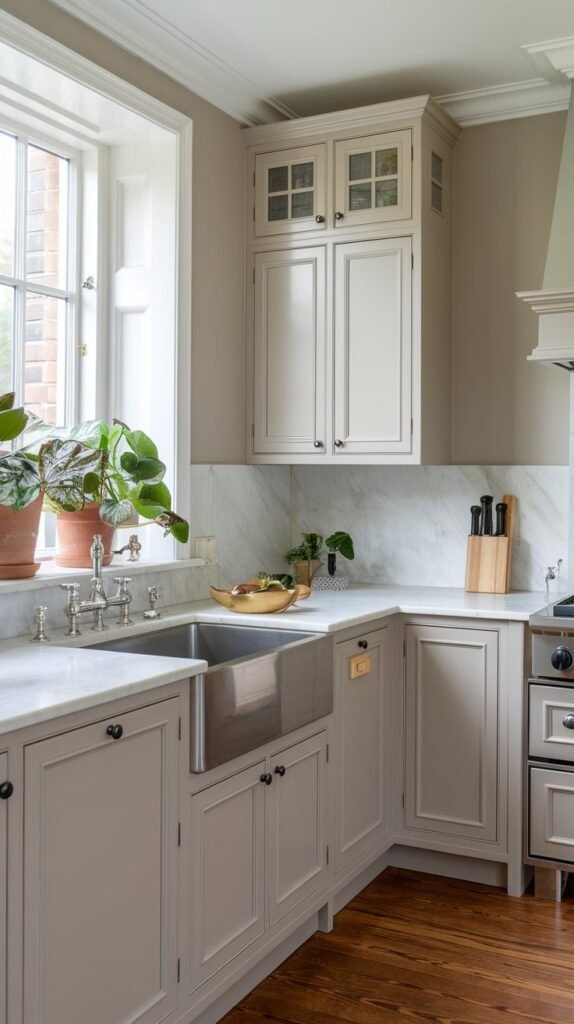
(21, 284)
(54, 54)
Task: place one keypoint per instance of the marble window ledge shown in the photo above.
(49, 574)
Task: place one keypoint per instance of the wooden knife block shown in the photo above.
(488, 559)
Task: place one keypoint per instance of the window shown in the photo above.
(38, 299)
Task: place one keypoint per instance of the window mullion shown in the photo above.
(19, 340)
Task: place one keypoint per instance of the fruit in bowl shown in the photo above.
(262, 595)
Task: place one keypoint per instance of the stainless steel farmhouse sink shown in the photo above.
(260, 684)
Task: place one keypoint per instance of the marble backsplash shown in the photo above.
(410, 524)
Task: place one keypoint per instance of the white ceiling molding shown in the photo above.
(504, 102)
(555, 55)
(166, 47)
(147, 34)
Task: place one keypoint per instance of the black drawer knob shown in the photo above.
(364, 644)
(267, 778)
(280, 770)
(6, 790)
(115, 731)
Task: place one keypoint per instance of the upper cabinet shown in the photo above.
(348, 287)
(373, 178)
(290, 190)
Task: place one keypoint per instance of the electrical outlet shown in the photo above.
(204, 547)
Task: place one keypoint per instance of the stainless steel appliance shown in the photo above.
(550, 737)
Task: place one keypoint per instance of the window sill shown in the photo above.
(49, 575)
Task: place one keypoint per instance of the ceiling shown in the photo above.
(262, 60)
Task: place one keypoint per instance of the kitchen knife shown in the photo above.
(501, 510)
(474, 520)
(486, 515)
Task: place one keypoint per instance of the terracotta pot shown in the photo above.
(75, 532)
(304, 571)
(18, 536)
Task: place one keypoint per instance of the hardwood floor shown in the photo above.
(415, 948)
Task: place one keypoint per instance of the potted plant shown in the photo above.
(305, 558)
(97, 478)
(20, 498)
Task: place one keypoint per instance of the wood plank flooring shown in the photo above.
(416, 948)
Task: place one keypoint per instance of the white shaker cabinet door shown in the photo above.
(362, 666)
(289, 352)
(373, 347)
(296, 803)
(451, 723)
(100, 872)
(227, 850)
(3, 888)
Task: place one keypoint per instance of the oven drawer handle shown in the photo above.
(568, 721)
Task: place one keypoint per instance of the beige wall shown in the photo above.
(218, 191)
(505, 411)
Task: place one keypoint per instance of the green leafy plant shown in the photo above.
(308, 551)
(12, 421)
(341, 543)
(114, 466)
(19, 480)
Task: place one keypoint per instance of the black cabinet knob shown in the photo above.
(562, 659)
(115, 731)
(267, 778)
(320, 219)
(339, 215)
(364, 644)
(6, 790)
(280, 770)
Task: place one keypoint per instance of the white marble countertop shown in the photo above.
(37, 684)
(41, 683)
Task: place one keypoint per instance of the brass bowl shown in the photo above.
(266, 602)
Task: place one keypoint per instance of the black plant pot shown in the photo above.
(332, 562)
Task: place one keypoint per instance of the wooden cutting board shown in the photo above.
(489, 559)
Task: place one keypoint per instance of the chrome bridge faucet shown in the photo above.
(98, 601)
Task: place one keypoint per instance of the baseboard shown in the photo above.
(450, 865)
(257, 974)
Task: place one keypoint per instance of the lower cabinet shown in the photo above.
(258, 849)
(361, 711)
(451, 732)
(4, 803)
(100, 871)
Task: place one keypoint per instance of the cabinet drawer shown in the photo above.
(550, 707)
(551, 814)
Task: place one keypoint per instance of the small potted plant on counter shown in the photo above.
(305, 558)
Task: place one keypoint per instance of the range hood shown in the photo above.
(554, 303)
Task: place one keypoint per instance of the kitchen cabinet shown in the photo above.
(100, 871)
(348, 290)
(5, 796)
(373, 178)
(373, 401)
(361, 715)
(290, 352)
(257, 843)
(551, 819)
(451, 732)
(290, 190)
(293, 410)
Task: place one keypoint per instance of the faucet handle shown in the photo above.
(153, 595)
(40, 636)
(72, 588)
(122, 582)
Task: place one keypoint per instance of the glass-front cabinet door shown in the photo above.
(290, 190)
(373, 178)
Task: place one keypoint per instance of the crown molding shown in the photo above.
(156, 40)
(148, 35)
(504, 102)
(554, 56)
